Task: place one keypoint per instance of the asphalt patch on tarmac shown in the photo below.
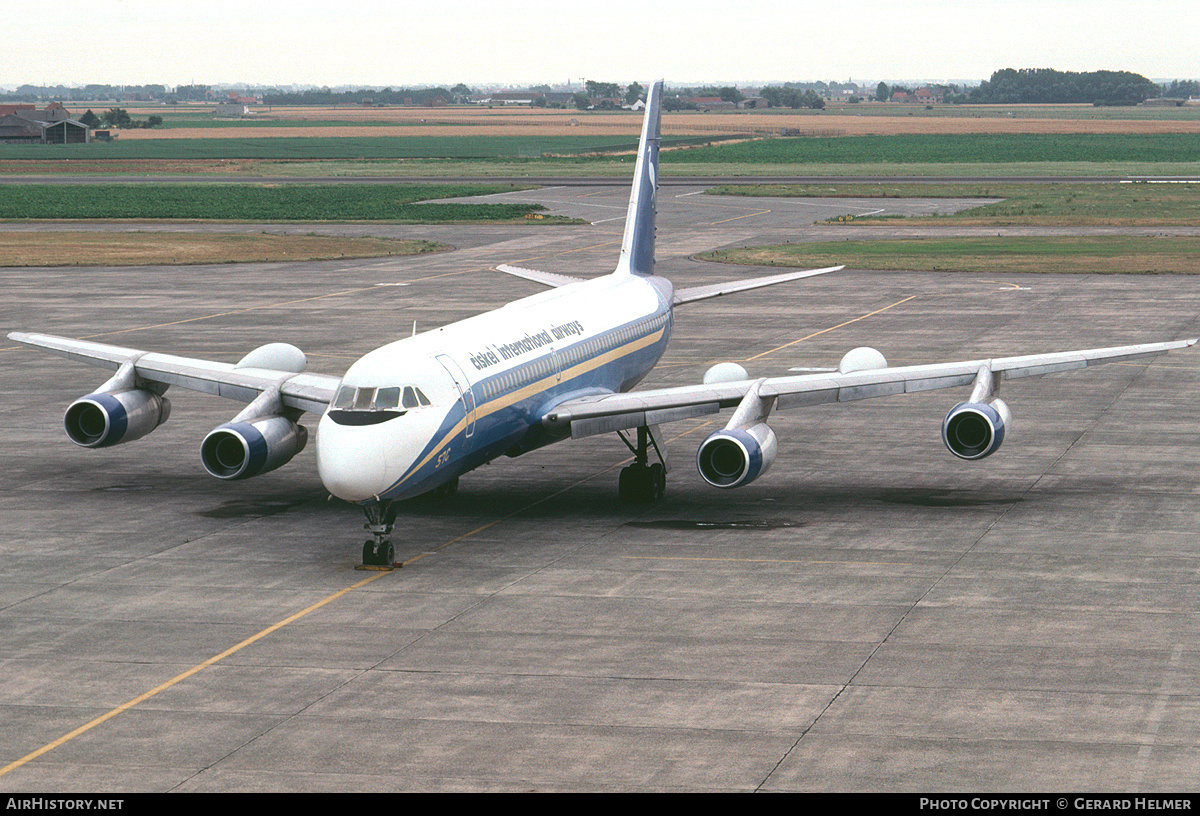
(942, 498)
(748, 525)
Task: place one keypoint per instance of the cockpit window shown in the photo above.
(391, 398)
(363, 399)
(414, 397)
(388, 398)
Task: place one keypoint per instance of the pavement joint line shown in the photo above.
(831, 328)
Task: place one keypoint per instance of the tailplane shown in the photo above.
(637, 247)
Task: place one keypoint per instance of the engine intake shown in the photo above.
(973, 430)
(104, 419)
(733, 457)
(241, 450)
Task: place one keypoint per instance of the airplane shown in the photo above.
(413, 416)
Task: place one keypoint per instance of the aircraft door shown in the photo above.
(464, 390)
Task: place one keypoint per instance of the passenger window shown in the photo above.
(388, 398)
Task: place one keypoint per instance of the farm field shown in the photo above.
(869, 138)
(842, 120)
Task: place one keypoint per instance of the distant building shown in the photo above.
(707, 103)
(232, 110)
(24, 124)
(16, 129)
(521, 98)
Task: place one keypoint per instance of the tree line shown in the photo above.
(1011, 86)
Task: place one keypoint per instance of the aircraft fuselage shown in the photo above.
(421, 411)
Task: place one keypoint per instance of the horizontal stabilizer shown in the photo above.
(713, 290)
(547, 278)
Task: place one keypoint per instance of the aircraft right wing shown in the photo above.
(589, 415)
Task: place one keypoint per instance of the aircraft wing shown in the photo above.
(243, 381)
(546, 278)
(695, 293)
(611, 412)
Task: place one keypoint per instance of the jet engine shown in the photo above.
(109, 418)
(243, 449)
(973, 430)
(733, 457)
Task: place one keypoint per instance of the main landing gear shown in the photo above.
(643, 482)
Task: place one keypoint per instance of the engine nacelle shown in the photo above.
(103, 419)
(733, 457)
(973, 430)
(241, 450)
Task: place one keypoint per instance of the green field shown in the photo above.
(968, 148)
(1000, 255)
(250, 202)
(324, 148)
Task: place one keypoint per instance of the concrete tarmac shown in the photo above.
(871, 615)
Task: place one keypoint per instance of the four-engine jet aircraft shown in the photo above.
(414, 415)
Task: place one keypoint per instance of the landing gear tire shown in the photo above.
(381, 555)
(642, 484)
(379, 552)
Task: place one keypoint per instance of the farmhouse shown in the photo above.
(24, 124)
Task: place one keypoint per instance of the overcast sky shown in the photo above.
(373, 42)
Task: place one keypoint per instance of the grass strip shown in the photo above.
(1059, 255)
(160, 248)
(407, 203)
(1055, 204)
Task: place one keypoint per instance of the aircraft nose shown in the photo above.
(351, 461)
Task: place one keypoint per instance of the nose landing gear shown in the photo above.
(379, 552)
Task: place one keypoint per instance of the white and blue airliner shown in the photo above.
(413, 416)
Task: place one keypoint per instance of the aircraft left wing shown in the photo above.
(275, 366)
(589, 415)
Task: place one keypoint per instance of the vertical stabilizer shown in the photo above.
(637, 247)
